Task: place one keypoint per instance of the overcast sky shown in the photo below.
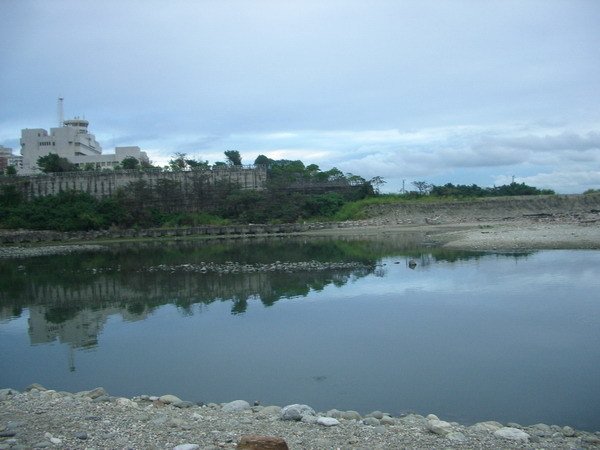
(441, 91)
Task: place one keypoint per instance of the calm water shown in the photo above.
(468, 336)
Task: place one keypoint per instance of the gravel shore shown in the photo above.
(41, 418)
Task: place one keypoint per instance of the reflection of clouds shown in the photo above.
(488, 274)
(12, 325)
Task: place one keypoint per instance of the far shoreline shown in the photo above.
(481, 236)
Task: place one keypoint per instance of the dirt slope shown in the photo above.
(555, 208)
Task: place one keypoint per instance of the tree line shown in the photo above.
(294, 192)
(424, 188)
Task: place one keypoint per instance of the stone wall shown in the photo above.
(105, 184)
(32, 236)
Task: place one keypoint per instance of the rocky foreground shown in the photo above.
(41, 418)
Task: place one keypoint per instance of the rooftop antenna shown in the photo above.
(61, 118)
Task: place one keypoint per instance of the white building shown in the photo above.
(73, 142)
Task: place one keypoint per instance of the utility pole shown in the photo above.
(403, 191)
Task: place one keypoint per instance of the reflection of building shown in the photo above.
(71, 141)
(79, 330)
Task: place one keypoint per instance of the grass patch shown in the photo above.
(193, 220)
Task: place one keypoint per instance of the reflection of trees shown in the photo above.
(140, 292)
(67, 284)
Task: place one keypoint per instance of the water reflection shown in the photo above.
(71, 297)
(471, 336)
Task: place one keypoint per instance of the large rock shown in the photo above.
(187, 447)
(489, 426)
(541, 430)
(376, 414)
(236, 406)
(269, 411)
(387, 420)
(351, 415)
(413, 420)
(334, 413)
(440, 427)
(95, 393)
(256, 442)
(371, 421)
(296, 412)
(37, 386)
(168, 399)
(512, 434)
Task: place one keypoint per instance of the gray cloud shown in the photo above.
(461, 90)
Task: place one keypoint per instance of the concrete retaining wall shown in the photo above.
(18, 237)
(105, 184)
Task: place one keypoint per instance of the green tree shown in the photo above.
(10, 196)
(178, 163)
(422, 186)
(54, 163)
(377, 182)
(194, 164)
(262, 160)
(233, 157)
(130, 163)
(10, 170)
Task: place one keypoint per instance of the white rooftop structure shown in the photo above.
(72, 141)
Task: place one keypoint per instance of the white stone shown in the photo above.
(236, 406)
(122, 401)
(439, 427)
(432, 417)
(513, 434)
(187, 447)
(328, 421)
